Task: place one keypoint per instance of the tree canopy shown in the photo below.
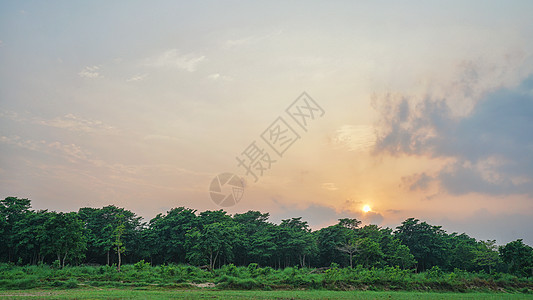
(113, 235)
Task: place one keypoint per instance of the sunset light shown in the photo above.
(245, 135)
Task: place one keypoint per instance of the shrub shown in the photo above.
(141, 266)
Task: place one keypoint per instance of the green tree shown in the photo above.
(461, 252)
(30, 236)
(258, 241)
(211, 242)
(427, 243)
(350, 248)
(519, 257)
(12, 210)
(63, 237)
(295, 241)
(118, 243)
(165, 236)
(351, 224)
(486, 255)
(331, 239)
(99, 227)
(393, 253)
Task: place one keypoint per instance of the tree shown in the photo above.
(12, 210)
(461, 252)
(63, 237)
(351, 248)
(295, 241)
(519, 257)
(258, 240)
(392, 251)
(166, 235)
(329, 240)
(427, 243)
(31, 236)
(369, 254)
(118, 244)
(352, 224)
(263, 245)
(486, 255)
(211, 242)
(99, 227)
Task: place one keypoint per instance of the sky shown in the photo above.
(416, 109)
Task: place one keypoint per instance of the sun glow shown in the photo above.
(366, 208)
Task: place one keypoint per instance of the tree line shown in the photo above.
(111, 235)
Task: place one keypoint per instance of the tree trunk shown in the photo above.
(64, 258)
(108, 257)
(119, 258)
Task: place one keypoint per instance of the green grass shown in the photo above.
(229, 277)
(217, 294)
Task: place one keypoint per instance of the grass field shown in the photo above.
(218, 294)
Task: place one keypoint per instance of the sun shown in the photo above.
(366, 208)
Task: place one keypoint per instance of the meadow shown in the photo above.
(142, 277)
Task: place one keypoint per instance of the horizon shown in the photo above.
(278, 220)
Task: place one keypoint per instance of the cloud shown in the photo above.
(90, 72)
(71, 152)
(249, 40)
(139, 77)
(489, 148)
(69, 122)
(419, 181)
(218, 76)
(484, 225)
(173, 59)
(329, 186)
(355, 137)
(75, 123)
(319, 216)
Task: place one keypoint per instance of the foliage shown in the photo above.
(252, 276)
(247, 246)
(519, 257)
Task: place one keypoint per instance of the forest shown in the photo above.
(111, 238)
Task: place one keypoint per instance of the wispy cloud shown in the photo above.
(90, 72)
(139, 77)
(174, 59)
(76, 123)
(218, 76)
(71, 152)
(329, 186)
(249, 40)
(356, 137)
(70, 122)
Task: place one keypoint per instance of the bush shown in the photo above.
(141, 266)
(231, 282)
(18, 284)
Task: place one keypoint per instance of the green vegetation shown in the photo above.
(252, 277)
(42, 249)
